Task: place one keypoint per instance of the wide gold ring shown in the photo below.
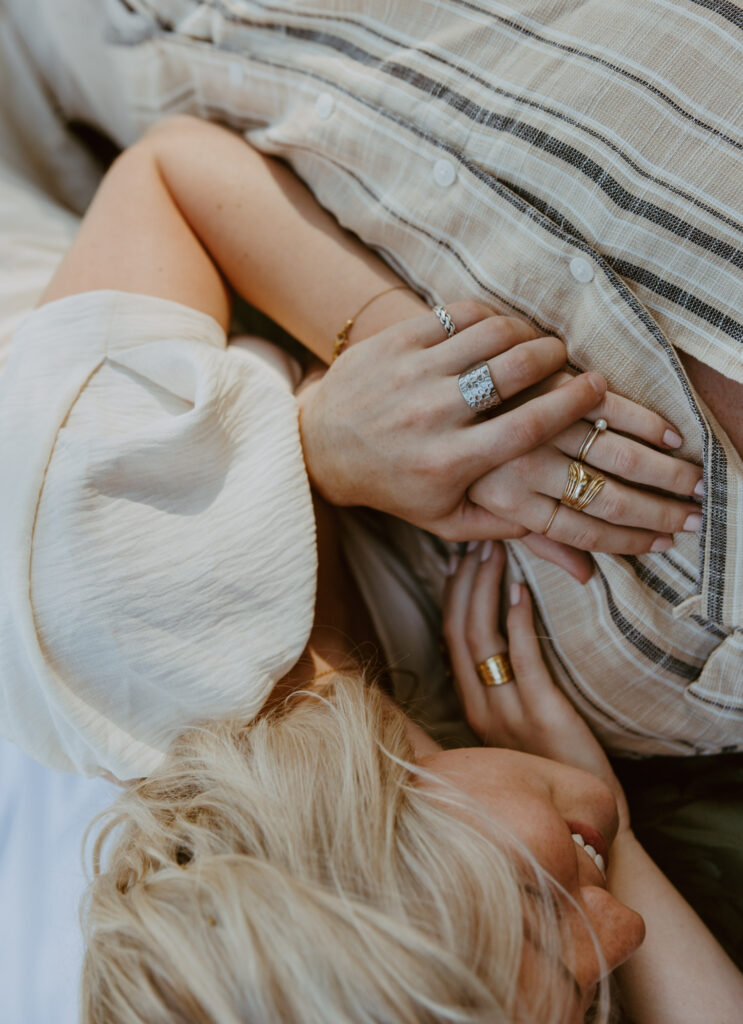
(581, 487)
(598, 428)
(495, 670)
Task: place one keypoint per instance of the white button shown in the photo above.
(581, 269)
(444, 173)
(236, 74)
(324, 106)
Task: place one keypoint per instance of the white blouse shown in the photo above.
(157, 538)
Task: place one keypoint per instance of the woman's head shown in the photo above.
(297, 870)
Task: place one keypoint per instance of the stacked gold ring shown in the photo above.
(580, 490)
(581, 487)
(495, 670)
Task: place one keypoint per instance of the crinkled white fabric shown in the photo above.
(157, 538)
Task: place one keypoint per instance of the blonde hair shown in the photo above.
(295, 870)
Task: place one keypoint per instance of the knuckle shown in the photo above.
(522, 365)
(615, 506)
(526, 431)
(626, 461)
(587, 538)
(470, 311)
(472, 636)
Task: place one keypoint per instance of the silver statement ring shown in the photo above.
(446, 321)
(478, 389)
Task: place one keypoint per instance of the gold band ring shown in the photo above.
(598, 428)
(581, 487)
(551, 519)
(495, 670)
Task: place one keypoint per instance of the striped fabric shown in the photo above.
(580, 163)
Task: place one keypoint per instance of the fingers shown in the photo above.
(577, 563)
(626, 416)
(513, 433)
(472, 631)
(485, 339)
(618, 503)
(623, 457)
(523, 645)
(426, 330)
(514, 370)
(590, 534)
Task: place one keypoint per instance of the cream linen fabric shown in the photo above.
(157, 539)
(576, 162)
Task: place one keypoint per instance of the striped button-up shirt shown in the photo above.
(580, 164)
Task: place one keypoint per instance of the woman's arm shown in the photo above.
(680, 974)
(192, 204)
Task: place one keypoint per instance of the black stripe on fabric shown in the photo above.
(549, 144)
(730, 12)
(709, 627)
(663, 589)
(601, 712)
(615, 192)
(716, 511)
(737, 708)
(674, 293)
(574, 51)
(558, 115)
(529, 33)
(684, 572)
(643, 644)
(651, 580)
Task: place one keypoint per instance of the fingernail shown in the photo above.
(515, 593)
(597, 383)
(693, 523)
(699, 489)
(487, 550)
(452, 566)
(672, 439)
(661, 544)
(471, 545)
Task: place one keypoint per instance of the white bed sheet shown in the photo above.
(43, 818)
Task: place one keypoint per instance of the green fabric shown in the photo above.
(688, 814)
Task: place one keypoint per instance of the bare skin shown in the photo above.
(722, 395)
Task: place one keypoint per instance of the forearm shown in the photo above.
(680, 973)
(271, 240)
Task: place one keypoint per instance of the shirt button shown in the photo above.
(324, 106)
(581, 269)
(444, 173)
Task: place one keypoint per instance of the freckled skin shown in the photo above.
(534, 799)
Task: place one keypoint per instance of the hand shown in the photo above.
(530, 713)
(387, 426)
(622, 518)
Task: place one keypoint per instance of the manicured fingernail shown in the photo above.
(699, 489)
(693, 523)
(452, 566)
(471, 545)
(515, 593)
(672, 439)
(661, 544)
(487, 550)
